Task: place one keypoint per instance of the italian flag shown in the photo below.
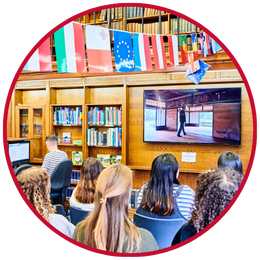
(69, 47)
(98, 49)
(184, 49)
(41, 58)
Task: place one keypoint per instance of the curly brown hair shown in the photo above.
(35, 184)
(215, 189)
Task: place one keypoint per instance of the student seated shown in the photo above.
(214, 190)
(36, 185)
(83, 195)
(54, 156)
(108, 226)
(158, 195)
(230, 159)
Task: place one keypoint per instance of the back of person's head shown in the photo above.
(52, 140)
(35, 184)
(157, 197)
(230, 159)
(90, 170)
(214, 191)
(108, 225)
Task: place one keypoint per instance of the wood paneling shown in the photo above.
(127, 89)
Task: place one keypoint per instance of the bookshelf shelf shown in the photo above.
(72, 145)
(105, 146)
(66, 125)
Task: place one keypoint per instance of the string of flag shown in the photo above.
(131, 52)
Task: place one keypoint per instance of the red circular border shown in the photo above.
(168, 11)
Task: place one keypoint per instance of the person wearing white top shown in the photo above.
(35, 183)
(62, 224)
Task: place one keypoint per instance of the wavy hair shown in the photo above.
(214, 191)
(108, 225)
(86, 186)
(35, 184)
(157, 196)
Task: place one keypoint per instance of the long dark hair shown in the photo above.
(230, 159)
(90, 170)
(157, 196)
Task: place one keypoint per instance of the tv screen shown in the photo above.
(193, 116)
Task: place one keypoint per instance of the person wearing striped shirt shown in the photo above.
(54, 156)
(164, 183)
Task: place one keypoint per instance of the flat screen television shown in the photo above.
(192, 116)
(19, 152)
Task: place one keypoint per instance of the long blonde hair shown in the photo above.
(108, 225)
(35, 184)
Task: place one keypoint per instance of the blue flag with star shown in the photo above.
(123, 51)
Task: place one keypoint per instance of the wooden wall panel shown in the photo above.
(107, 95)
(34, 97)
(171, 119)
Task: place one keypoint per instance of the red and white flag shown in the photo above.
(98, 49)
(159, 55)
(173, 50)
(41, 58)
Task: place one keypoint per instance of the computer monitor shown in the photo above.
(19, 152)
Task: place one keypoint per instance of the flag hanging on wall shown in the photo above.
(159, 55)
(41, 58)
(183, 47)
(142, 53)
(173, 50)
(123, 52)
(193, 65)
(69, 47)
(203, 44)
(194, 46)
(98, 49)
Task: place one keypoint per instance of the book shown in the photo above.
(77, 157)
(116, 159)
(69, 191)
(104, 159)
(134, 197)
(75, 175)
(66, 138)
(77, 142)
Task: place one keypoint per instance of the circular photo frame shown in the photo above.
(255, 128)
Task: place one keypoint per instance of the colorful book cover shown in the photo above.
(66, 138)
(77, 157)
(104, 159)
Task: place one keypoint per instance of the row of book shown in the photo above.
(108, 116)
(117, 13)
(75, 175)
(67, 116)
(132, 200)
(149, 28)
(110, 137)
(179, 25)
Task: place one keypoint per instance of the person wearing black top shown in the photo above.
(182, 121)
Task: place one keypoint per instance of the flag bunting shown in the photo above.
(132, 51)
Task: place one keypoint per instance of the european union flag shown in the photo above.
(123, 51)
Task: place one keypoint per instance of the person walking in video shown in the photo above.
(182, 121)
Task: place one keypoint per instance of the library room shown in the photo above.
(133, 119)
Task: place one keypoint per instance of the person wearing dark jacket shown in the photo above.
(182, 122)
